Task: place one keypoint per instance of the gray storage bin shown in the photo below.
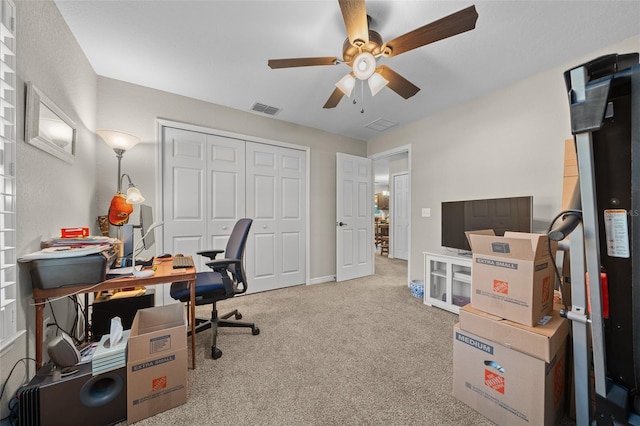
(68, 271)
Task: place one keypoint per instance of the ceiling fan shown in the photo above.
(363, 47)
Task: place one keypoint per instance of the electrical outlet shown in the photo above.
(48, 329)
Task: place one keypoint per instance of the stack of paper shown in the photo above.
(108, 356)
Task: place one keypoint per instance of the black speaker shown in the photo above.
(74, 399)
(125, 308)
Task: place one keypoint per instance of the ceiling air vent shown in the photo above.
(380, 125)
(265, 109)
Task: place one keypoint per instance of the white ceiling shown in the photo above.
(217, 51)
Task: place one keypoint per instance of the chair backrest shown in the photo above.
(235, 247)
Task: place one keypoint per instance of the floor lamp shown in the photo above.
(122, 205)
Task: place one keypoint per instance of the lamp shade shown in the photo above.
(376, 83)
(118, 140)
(346, 84)
(364, 65)
(134, 196)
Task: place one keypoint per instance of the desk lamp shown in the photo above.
(120, 207)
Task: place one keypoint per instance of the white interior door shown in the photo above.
(276, 202)
(184, 212)
(400, 216)
(354, 217)
(225, 187)
(203, 191)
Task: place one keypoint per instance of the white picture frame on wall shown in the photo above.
(48, 127)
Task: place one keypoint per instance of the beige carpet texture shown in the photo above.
(359, 352)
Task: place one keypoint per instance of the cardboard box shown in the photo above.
(569, 184)
(542, 341)
(570, 176)
(512, 276)
(507, 386)
(156, 361)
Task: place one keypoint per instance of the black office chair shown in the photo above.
(225, 281)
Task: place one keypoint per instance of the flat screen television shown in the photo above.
(499, 214)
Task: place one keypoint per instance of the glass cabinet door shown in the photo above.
(438, 280)
(460, 285)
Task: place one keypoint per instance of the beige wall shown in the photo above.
(508, 143)
(398, 166)
(51, 193)
(134, 109)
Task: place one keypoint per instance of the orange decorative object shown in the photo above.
(74, 232)
(119, 210)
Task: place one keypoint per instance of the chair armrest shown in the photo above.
(220, 265)
(211, 254)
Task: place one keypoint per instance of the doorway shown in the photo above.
(392, 211)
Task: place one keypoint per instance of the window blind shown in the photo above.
(8, 268)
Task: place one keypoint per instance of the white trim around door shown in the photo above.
(391, 152)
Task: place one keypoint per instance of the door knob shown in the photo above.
(224, 228)
(264, 226)
(341, 224)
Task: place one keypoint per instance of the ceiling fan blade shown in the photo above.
(398, 83)
(334, 99)
(354, 13)
(301, 62)
(456, 23)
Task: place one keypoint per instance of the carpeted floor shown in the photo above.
(360, 352)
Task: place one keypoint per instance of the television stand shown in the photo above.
(447, 281)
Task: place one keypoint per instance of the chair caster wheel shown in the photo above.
(255, 331)
(238, 316)
(215, 353)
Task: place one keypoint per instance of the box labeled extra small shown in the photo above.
(156, 361)
(512, 276)
(507, 386)
(542, 341)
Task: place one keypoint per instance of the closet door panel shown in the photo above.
(291, 252)
(225, 188)
(262, 205)
(187, 201)
(263, 265)
(292, 173)
(184, 196)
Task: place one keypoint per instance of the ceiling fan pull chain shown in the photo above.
(362, 94)
(355, 95)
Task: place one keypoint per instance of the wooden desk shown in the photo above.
(164, 274)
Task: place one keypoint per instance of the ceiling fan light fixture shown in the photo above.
(346, 84)
(376, 83)
(364, 65)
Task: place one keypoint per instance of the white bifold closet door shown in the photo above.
(276, 202)
(211, 181)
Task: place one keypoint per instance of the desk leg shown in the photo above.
(86, 317)
(39, 324)
(192, 321)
